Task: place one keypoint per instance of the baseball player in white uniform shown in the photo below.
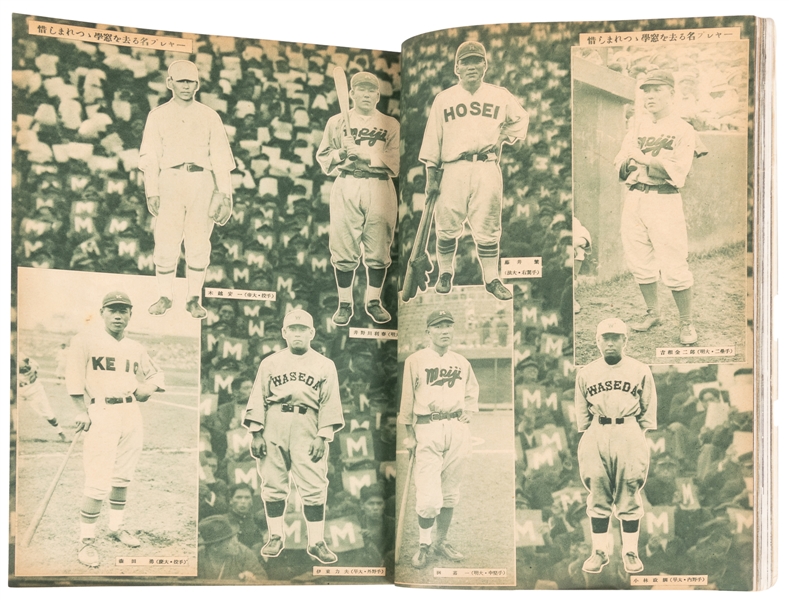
(187, 161)
(363, 203)
(465, 131)
(440, 392)
(107, 375)
(615, 403)
(30, 389)
(293, 413)
(654, 162)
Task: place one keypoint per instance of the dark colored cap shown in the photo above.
(658, 77)
(116, 298)
(470, 49)
(364, 77)
(439, 316)
(370, 491)
(216, 529)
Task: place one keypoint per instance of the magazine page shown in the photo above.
(204, 331)
(576, 307)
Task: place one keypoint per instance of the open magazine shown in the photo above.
(483, 313)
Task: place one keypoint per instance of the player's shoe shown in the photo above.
(126, 538)
(273, 547)
(343, 315)
(444, 283)
(497, 288)
(445, 549)
(321, 553)
(161, 306)
(687, 334)
(596, 562)
(419, 560)
(88, 555)
(193, 308)
(377, 312)
(632, 563)
(650, 320)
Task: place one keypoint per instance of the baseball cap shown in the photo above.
(298, 317)
(470, 49)
(215, 529)
(439, 316)
(364, 77)
(116, 298)
(183, 69)
(612, 325)
(658, 77)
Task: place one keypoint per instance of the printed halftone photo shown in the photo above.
(455, 457)
(661, 199)
(106, 423)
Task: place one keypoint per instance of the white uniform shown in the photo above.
(106, 372)
(31, 390)
(614, 405)
(439, 385)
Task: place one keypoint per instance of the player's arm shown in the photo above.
(583, 417)
(629, 155)
(674, 166)
(222, 161)
(76, 363)
(471, 400)
(150, 154)
(255, 414)
(647, 419)
(516, 122)
(430, 152)
(330, 417)
(331, 151)
(153, 379)
(406, 414)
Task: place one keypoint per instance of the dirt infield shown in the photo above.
(718, 311)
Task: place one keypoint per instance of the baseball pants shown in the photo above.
(613, 461)
(183, 217)
(470, 191)
(288, 437)
(362, 215)
(655, 239)
(112, 447)
(37, 396)
(442, 451)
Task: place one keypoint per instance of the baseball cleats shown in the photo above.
(273, 547)
(446, 550)
(321, 553)
(497, 288)
(632, 563)
(687, 334)
(193, 308)
(377, 312)
(444, 283)
(596, 562)
(651, 320)
(344, 313)
(419, 561)
(88, 555)
(126, 538)
(161, 306)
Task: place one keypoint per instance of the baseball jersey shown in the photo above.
(29, 378)
(378, 131)
(176, 134)
(308, 379)
(625, 389)
(671, 141)
(461, 122)
(99, 366)
(435, 383)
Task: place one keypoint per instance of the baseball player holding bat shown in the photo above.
(31, 390)
(187, 160)
(615, 403)
(440, 393)
(363, 151)
(465, 131)
(293, 413)
(107, 376)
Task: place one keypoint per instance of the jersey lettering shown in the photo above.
(654, 144)
(439, 377)
(488, 110)
(308, 380)
(369, 135)
(608, 386)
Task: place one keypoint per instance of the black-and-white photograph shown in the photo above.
(661, 199)
(107, 429)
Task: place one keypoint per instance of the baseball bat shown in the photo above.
(341, 85)
(42, 507)
(419, 263)
(401, 515)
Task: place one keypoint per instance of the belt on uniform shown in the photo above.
(663, 188)
(437, 416)
(190, 167)
(476, 156)
(116, 400)
(362, 174)
(294, 408)
(608, 421)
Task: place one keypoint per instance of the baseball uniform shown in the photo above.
(30, 389)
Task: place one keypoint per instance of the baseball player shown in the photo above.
(467, 126)
(615, 403)
(187, 161)
(107, 375)
(654, 162)
(293, 413)
(440, 392)
(30, 389)
(363, 203)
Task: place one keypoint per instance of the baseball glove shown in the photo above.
(221, 208)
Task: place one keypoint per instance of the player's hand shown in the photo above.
(144, 391)
(153, 205)
(350, 147)
(636, 156)
(317, 448)
(409, 443)
(432, 185)
(257, 447)
(82, 421)
(465, 417)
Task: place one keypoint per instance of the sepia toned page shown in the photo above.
(576, 227)
(205, 308)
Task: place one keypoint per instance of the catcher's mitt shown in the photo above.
(221, 208)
